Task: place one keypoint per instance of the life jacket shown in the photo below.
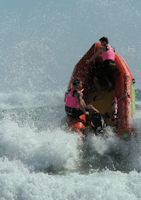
(71, 101)
(109, 54)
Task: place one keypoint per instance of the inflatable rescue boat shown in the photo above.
(117, 103)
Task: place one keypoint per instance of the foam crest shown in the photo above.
(102, 144)
(12, 175)
(26, 99)
(21, 185)
(39, 151)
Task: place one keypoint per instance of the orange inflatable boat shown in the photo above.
(118, 103)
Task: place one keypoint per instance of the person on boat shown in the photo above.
(106, 53)
(96, 122)
(74, 102)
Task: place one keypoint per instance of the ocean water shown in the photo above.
(40, 42)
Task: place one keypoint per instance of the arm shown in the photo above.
(92, 108)
(82, 103)
(96, 54)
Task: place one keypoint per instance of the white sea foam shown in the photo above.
(51, 149)
(18, 183)
(40, 42)
(38, 164)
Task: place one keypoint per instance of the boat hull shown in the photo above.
(123, 91)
